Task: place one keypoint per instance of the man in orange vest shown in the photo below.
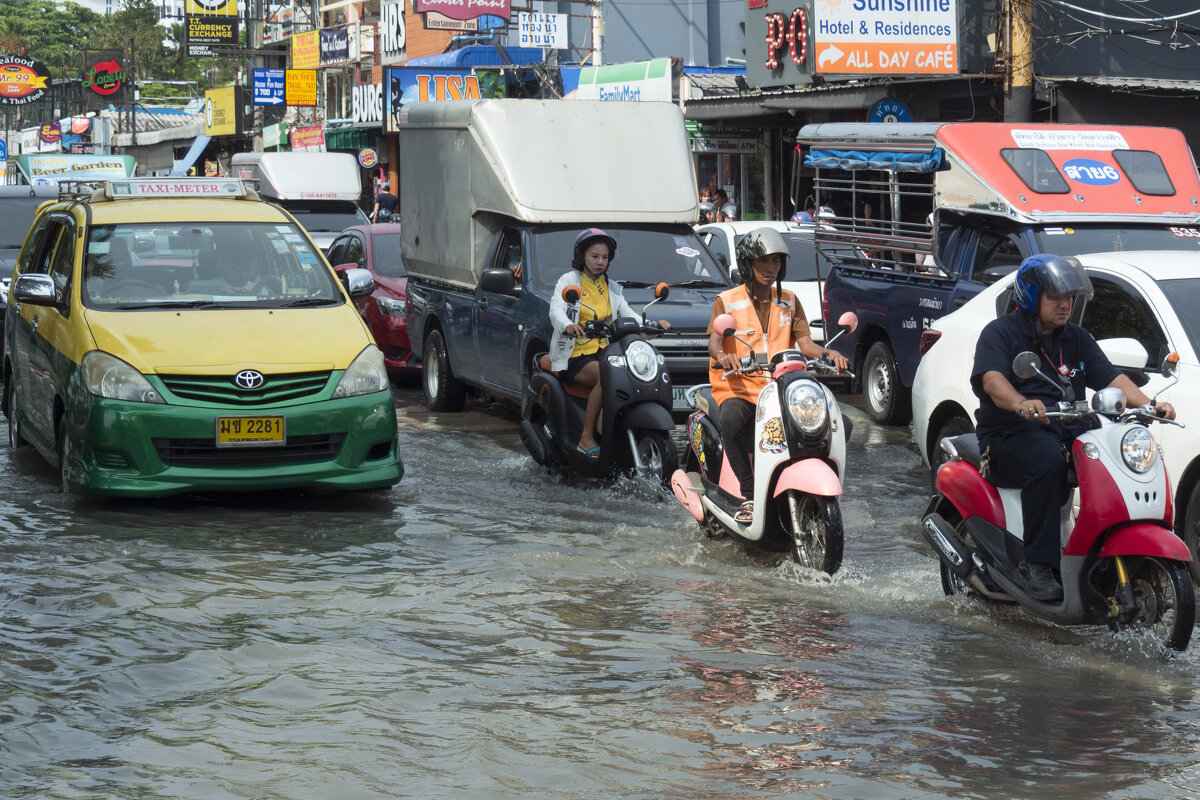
(769, 317)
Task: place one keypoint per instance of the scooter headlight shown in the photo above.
(642, 360)
(806, 402)
(1137, 449)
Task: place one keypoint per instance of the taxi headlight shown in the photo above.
(642, 360)
(1137, 449)
(806, 403)
(106, 375)
(366, 374)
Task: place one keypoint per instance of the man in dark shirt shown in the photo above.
(1029, 448)
(385, 204)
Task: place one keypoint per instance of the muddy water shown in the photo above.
(483, 630)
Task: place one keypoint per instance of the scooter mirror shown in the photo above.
(1170, 365)
(570, 294)
(661, 291)
(1025, 365)
(849, 320)
(725, 324)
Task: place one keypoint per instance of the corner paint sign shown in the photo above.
(22, 80)
(885, 37)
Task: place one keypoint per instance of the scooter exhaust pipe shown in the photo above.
(945, 541)
(534, 441)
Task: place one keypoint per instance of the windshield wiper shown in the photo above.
(310, 301)
(699, 282)
(636, 284)
(167, 304)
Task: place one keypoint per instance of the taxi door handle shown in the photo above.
(34, 323)
(482, 302)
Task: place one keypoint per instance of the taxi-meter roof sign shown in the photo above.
(885, 37)
(148, 187)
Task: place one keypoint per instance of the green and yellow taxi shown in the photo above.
(183, 335)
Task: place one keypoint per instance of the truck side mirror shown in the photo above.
(498, 281)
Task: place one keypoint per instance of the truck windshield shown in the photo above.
(645, 257)
(325, 215)
(152, 265)
(1072, 240)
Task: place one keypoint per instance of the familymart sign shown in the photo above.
(641, 80)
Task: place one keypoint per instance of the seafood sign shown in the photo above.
(22, 80)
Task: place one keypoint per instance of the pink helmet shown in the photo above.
(586, 239)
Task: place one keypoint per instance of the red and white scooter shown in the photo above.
(799, 458)
(1121, 566)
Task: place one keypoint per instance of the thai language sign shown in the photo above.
(885, 37)
(465, 9)
(542, 30)
(306, 50)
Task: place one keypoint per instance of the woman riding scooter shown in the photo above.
(574, 357)
(766, 313)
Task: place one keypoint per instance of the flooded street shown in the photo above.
(483, 630)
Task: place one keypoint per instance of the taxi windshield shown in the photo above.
(204, 265)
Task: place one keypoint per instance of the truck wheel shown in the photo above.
(887, 401)
(1191, 530)
(443, 392)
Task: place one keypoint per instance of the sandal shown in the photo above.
(591, 453)
(745, 513)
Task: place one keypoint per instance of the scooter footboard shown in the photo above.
(811, 476)
(1143, 539)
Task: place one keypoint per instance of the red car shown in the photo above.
(377, 248)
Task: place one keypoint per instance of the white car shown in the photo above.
(1151, 297)
(806, 268)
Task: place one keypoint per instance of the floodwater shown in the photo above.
(484, 631)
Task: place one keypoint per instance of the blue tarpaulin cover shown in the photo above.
(872, 159)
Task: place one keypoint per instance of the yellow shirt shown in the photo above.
(593, 296)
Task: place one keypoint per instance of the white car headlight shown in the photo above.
(390, 306)
(1137, 449)
(366, 374)
(105, 375)
(642, 360)
(806, 402)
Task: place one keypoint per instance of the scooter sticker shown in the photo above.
(773, 440)
(698, 442)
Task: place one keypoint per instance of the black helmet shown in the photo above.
(756, 244)
(586, 239)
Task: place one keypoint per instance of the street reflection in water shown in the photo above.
(484, 630)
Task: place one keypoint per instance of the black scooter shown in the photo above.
(635, 422)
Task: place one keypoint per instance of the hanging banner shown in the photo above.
(465, 9)
(308, 138)
(22, 80)
(335, 44)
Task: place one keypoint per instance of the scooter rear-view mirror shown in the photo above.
(1170, 365)
(661, 291)
(725, 325)
(570, 294)
(849, 320)
(1025, 366)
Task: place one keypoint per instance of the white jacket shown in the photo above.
(562, 315)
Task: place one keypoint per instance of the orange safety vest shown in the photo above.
(777, 336)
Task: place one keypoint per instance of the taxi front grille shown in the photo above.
(221, 388)
(204, 453)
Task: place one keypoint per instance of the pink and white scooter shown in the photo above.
(799, 456)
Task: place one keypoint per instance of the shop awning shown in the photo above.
(180, 168)
(351, 138)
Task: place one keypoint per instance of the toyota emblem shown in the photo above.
(249, 379)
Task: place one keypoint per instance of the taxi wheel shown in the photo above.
(64, 455)
(15, 441)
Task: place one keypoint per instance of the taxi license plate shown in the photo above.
(251, 431)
